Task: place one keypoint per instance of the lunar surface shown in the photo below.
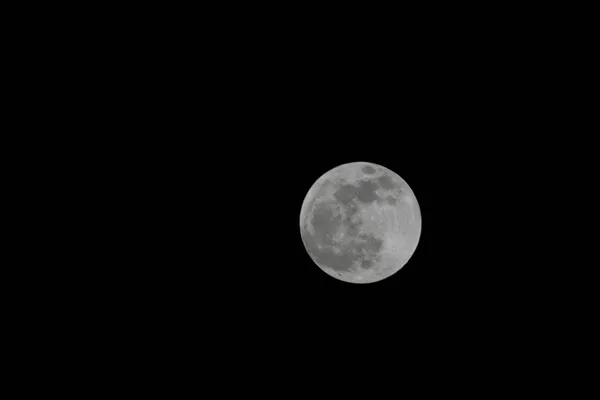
(360, 222)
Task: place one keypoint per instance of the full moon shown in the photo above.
(360, 222)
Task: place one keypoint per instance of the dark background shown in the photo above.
(181, 153)
(201, 158)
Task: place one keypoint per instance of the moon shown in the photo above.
(360, 222)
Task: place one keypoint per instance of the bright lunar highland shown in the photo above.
(360, 222)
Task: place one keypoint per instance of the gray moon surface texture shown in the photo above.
(360, 222)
